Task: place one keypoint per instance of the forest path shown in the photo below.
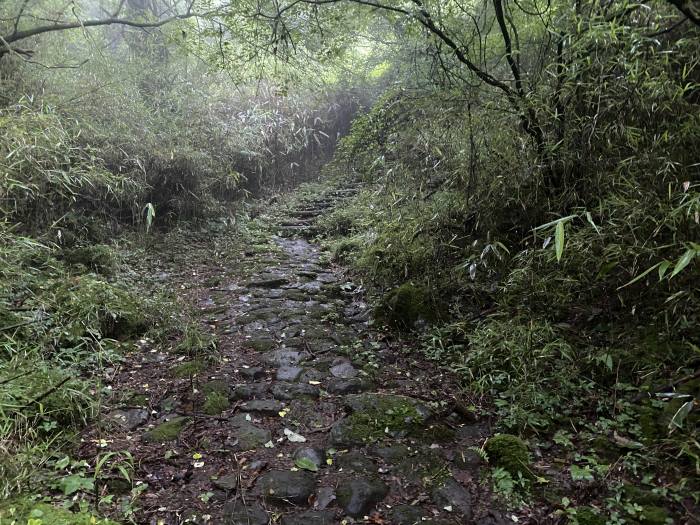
(309, 416)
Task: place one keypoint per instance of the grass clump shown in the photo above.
(215, 403)
(26, 512)
(406, 306)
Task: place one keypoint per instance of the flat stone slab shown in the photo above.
(343, 370)
(286, 486)
(280, 358)
(250, 391)
(248, 436)
(268, 407)
(340, 386)
(267, 281)
(289, 391)
(288, 373)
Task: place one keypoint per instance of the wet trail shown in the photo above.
(311, 416)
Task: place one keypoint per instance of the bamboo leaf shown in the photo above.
(559, 240)
(684, 261)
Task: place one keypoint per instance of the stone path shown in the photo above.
(311, 417)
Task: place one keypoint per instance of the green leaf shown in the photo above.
(306, 464)
(663, 267)
(683, 262)
(75, 483)
(559, 239)
(641, 275)
(681, 415)
(581, 473)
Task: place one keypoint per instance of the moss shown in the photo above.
(654, 516)
(23, 512)
(588, 516)
(509, 453)
(375, 416)
(168, 431)
(261, 345)
(405, 306)
(188, 368)
(218, 386)
(215, 403)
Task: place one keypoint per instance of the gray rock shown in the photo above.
(311, 374)
(248, 436)
(286, 485)
(407, 515)
(254, 372)
(359, 495)
(284, 357)
(268, 407)
(455, 495)
(370, 402)
(314, 455)
(340, 386)
(238, 513)
(467, 460)
(343, 370)
(268, 281)
(324, 497)
(228, 482)
(392, 454)
(288, 373)
(355, 461)
(129, 418)
(310, 517)
(289, 391)
(250, 391)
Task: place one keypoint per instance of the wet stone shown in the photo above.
(284, 357)
(355, 461)
(343, 370)
(359, 495)
(129, 418)
(310, 517)
(248, 436)
(289, 391)
(260, 344)
(268, 407)
(228, 482)
(288, 373)
(250, 391)
(340, 386)
(324, 497)
(286, 485)
(452, 494)
(249, 513)
(343, 434)
(311, 374)
(392, 454)
(407, 515)
(268, 281)
(254, 372)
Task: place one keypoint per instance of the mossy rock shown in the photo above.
(215, 403)
(23, 512)
(509, 453)
(404, 307)
(168, 431)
